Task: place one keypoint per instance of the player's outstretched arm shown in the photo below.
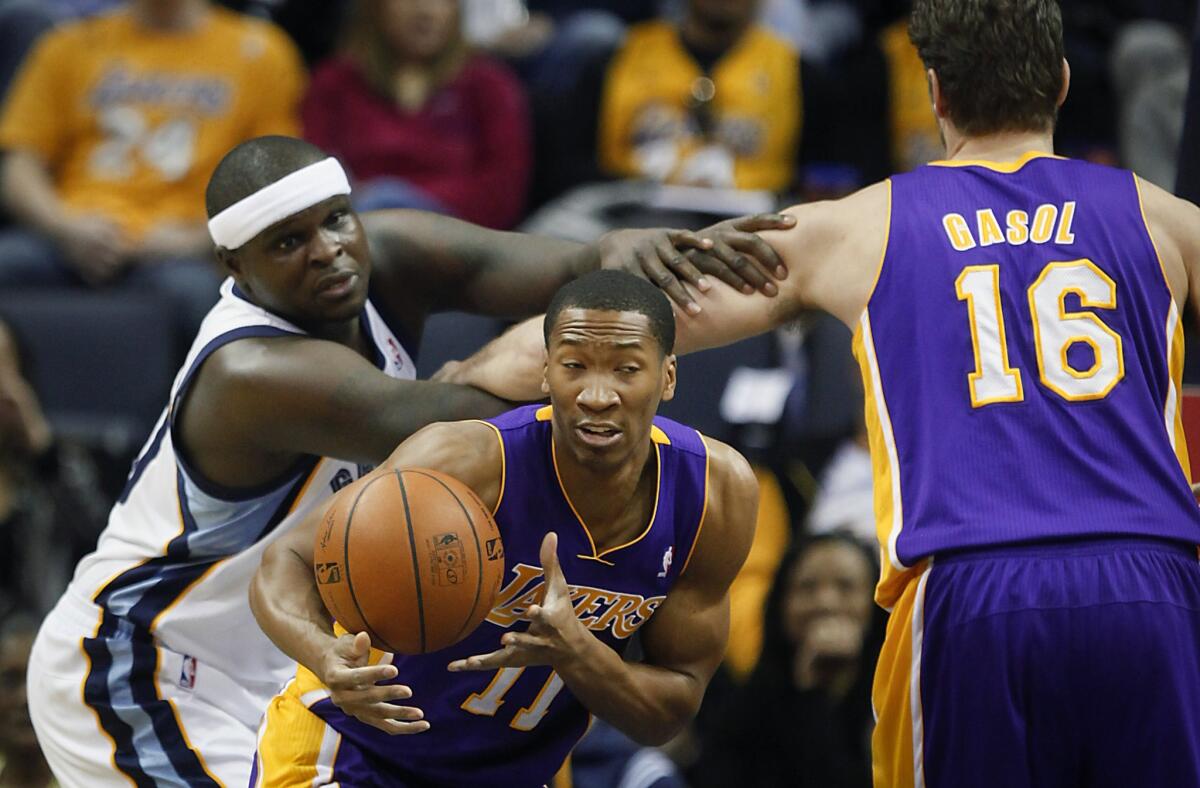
(282, 397)
(426, 262)
(684, 639)
(288, 607)
(832, 254)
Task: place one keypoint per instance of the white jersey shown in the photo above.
(178, 553)
(164, 597)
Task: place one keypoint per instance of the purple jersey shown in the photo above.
(1021, 355)
(516, 726)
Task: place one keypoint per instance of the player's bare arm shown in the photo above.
(258, 404)
(288, 607)
(832, 255)
(684, 640)
(1174, 226)
(428, 263)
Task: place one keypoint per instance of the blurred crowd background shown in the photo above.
(563, 117)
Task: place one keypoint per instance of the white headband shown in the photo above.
(275, 202)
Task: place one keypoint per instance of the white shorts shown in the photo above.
(119, 710)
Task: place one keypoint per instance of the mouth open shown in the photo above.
(598, 435)
(336, 287)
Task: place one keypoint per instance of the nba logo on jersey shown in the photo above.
(187, 673)
(397, 353)
(668, 555)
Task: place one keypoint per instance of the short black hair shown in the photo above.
(254, 164)
(999, 62)
(616, 291)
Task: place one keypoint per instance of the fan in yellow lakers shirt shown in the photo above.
(111, 130)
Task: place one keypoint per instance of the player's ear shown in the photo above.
(669, 371)
(229, 262)
(935, 93)
(545, 383)
(1066, 83)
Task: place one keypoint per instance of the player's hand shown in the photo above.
(510, 367)
(738, 257)
(354, 687)
(831, 647)
(655, 255)
(94, 246)
(555, 635)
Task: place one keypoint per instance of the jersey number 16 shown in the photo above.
(1055, 331)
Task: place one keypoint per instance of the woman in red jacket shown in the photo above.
(419, 120)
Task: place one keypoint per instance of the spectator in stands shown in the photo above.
(51, 505)
(419, 120)
(21, 762)
(109, 133)
(712, 101)
(804, 718)
(1150, 74)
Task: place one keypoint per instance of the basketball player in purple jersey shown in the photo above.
(614, 521)
(1016, 319)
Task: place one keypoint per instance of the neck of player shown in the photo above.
(1000, 147)
(614, 503)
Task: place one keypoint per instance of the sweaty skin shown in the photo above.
(605, 375)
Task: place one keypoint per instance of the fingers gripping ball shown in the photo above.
(411, 557)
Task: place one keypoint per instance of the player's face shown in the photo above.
(605, 374)
(311, 268)
(418, 29)
(831, 579)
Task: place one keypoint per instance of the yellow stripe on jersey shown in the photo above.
(885, 464)
(897, 743)
(503, 463)
(997, 166)
(295, 747)
(1173, 412)
(1172, 409)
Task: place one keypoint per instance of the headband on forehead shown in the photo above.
(275, 202)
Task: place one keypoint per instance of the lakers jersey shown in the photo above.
(655, 97)
(174, 564)
(1021, 354)
(515, 726)
(131, 121)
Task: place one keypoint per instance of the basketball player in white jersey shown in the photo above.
(151, 669)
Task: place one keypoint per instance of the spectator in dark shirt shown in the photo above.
(804, 717)
(418, 119)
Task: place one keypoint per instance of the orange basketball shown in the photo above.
(411, 557)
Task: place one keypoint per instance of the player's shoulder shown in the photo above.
(1159, 203)
(1173, 222)
(471, 451)
(731, 477)
(870, 203)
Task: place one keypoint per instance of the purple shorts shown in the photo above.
(1049, 665)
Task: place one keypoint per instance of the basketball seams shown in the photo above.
(478, 548)
(375, 637)
(412, 545)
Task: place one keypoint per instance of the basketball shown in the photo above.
(411, 557)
